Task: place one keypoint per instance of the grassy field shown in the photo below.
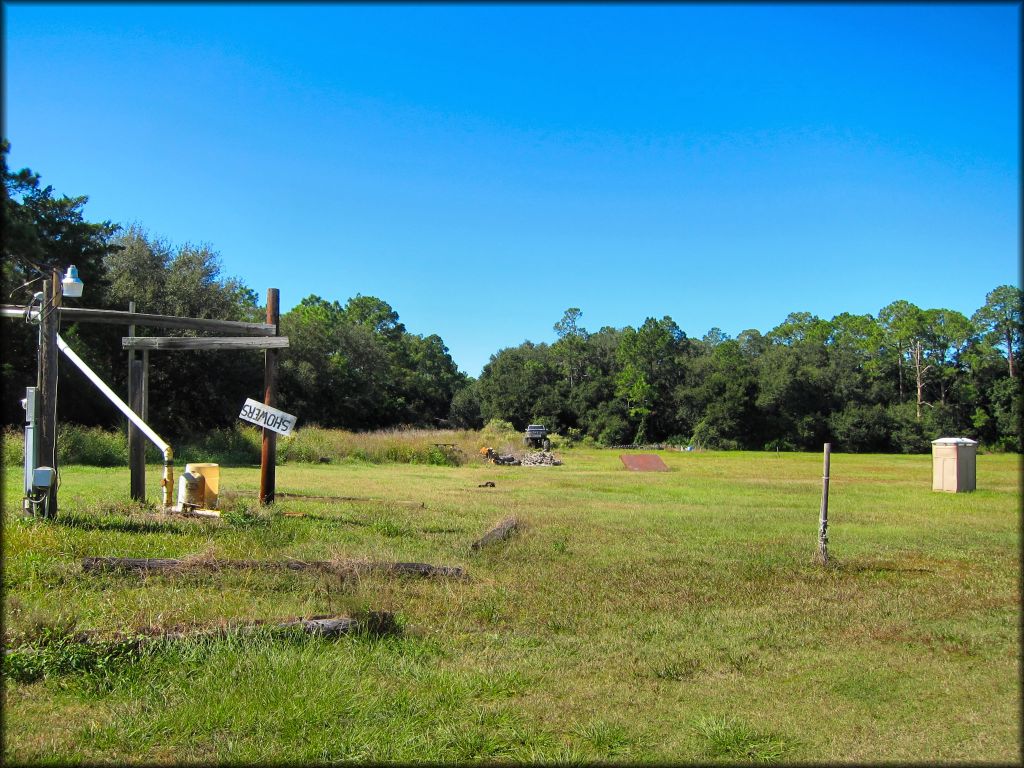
(657, 617)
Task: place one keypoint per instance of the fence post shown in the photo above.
(823, 521)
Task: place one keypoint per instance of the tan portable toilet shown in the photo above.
(954, 464)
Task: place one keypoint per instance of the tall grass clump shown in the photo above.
(91, 445)
(315, 444)
(13, 447)
(238, 444)
(501, 435)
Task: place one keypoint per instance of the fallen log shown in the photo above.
(150, 564)
(375, 623)
(500, 532)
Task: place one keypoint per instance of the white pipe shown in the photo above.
(134, 418)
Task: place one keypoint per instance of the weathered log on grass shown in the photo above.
(500, 532)
(170, 565)
(375, 623)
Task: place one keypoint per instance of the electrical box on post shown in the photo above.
(31, 406)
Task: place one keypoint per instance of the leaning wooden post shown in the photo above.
(49, 327)
(823, 522)
(268, 457)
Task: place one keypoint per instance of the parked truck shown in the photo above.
(537, 437)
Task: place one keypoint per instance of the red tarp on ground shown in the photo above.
(643, 462)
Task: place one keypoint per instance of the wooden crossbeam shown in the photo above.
(165, 343)
(117, 317)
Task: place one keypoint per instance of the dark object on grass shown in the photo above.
(488, 484)
(500, 532)
(148, 564)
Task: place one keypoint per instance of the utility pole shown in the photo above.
(47, 383)
(268, 456)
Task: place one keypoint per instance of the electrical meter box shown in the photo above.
(954, 464)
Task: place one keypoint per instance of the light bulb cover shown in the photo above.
(72, 285)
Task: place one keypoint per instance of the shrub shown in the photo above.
(399, 446)
(90, 445)
(13, 447)
(309, 444)
(499, 431)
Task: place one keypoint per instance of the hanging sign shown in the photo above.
(265, 416)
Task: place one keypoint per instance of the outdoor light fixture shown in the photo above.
(72, 285)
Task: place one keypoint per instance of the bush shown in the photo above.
(499, 431)
(90, 445)
(309, 444)
(614, 430)
(13, 447)
(234, 445)
(314, 444)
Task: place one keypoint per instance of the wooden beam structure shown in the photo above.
(118, 317)
(203, 343)
(248, 336)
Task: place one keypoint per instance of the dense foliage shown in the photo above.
(890, 382)
(887, 383)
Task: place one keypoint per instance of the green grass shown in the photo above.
(663, 617)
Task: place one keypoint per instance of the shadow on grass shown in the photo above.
(880, 567)
(123, 525)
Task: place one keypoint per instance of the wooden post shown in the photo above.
(823, 522)
(145, 385)
(136, 446)
(268, 457)
(49, 327)
(136, 441)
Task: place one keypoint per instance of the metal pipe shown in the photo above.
(167, 482)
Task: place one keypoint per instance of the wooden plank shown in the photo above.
(158, 564)
(171, 343)
(500, 532)
(118, 317)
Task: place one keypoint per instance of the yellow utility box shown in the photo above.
(954, 464)
(210, 473)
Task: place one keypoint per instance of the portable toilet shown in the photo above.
(210, 474)
(954, 464)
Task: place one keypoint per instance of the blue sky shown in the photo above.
(484, 167)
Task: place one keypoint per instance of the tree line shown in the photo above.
(885, 383)
(890, 382)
